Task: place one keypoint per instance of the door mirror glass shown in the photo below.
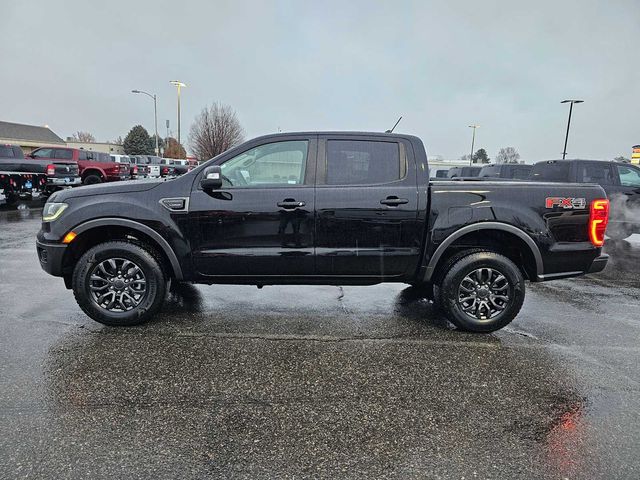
(212, 178)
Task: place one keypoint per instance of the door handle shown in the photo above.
(288, 203)
(393, 201)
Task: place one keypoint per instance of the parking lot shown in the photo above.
(353, 382)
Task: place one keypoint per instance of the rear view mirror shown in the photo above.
(212, 178)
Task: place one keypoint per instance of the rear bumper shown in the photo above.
(50, 256)
(64, 181)
(599, 263)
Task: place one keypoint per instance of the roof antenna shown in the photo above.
(394, 127)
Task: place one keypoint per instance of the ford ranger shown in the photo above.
(321, 208)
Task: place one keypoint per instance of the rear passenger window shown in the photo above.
(550, 172)
(63, 154)
(599, 173)
(354, 162)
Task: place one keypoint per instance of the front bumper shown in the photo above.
(51, 256)
(64, 181)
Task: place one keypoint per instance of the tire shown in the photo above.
(92, 179)
(91, 283)
(481, 292)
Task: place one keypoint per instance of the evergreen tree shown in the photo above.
(138, 142)
(481, 156)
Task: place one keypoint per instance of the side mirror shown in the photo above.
(212, 178)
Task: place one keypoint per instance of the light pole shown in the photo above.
(473, 141)
(155, 115)
(178, 84)
(566, 138)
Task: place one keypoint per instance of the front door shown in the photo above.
(366, 207)
(261, 222)
(625, 195)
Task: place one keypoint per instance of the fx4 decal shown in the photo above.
(566, 203)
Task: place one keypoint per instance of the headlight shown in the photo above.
(52, 211)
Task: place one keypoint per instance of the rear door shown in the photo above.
(366, 207)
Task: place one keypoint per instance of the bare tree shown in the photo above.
(214, 131)
(84, 137)
(507, 155)
(174, 149)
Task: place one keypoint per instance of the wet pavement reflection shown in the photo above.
(331, 382)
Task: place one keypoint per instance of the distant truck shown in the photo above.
(94, 167)
(621, 182)
(511, 171)
(463, 172)
(23, 178)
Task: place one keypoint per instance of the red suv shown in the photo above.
(95, 167)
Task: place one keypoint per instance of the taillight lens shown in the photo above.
(135, 170)
(598, 220)
(51, 170)
(165, 170)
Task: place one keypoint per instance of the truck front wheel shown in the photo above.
(482, 292)
(119, 283)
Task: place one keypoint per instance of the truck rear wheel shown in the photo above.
(482, 292)
(119, 283)
(92, 179)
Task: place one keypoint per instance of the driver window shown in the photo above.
(273, 164)
(629, 176)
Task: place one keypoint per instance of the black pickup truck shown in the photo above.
(321, 208)
(620, 181)
(21, 178)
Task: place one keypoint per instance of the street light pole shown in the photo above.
(566, 138)
(178, 84)
(473, 142)
(155, 115)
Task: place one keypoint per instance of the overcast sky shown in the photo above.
(344, 65)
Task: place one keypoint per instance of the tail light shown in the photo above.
(165, 170)
(51, 170)
(135, 170)
(598, 220)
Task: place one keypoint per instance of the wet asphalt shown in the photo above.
(319, 382)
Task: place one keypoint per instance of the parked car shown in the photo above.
(133, 168)
(94, 167)
(463, 172)
(180, 166)
(621, 182)
(151, 165)
(321, 208)
(22, 177)
(166, 167)
(441, 173)
(513, 171)
(139, 162)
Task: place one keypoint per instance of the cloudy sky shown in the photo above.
(344, 65)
